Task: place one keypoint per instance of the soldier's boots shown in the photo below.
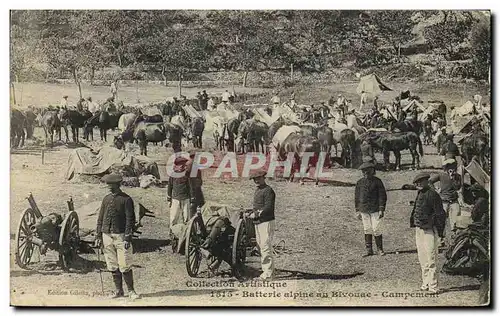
(369, 245)
(380, 246)
(129, 280)
(117, 280)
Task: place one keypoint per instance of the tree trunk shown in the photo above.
(163, 75)
(245, 76)
(180, 84)
(137, 90)
(92, 74)
(291, 71)
(77, 82)
(13, 92)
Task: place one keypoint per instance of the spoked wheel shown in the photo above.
(24, 246)
(239, 251)
(195, 235)
(69, 240)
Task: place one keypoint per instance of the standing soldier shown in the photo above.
(115, 226)
(204, 100)
(450, 183)
(114, 90)
(179, 194)
(370, 200)
(64, 102)
(263, 216)
(428, 218)
(363, 100)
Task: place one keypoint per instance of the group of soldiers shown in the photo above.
(184, 197)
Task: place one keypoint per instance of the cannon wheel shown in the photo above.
(69, 240)
(24, 246)
(239, 251)
(195, 235)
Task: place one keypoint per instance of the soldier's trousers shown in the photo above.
(427, 241)
(179, 212)
(115, 254)
(264, 233)
(371, 223)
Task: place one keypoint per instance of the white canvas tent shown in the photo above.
(372, 84)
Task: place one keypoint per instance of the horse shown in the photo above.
(17, 125)
(396, 142)
(75, 119)
(143, 133)
(298, 144)
(346, 138)
(51, 122)
(104, 120)
(258, 135)
(325, 138)
(126, 120)
(475, 145)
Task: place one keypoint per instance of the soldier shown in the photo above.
(114, 90)
(428, 218)
(64, 101)
(115, 226)
(370, 199)
(179, 194)
(450, 183)
(263, 216)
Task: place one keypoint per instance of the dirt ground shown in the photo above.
(321, 264)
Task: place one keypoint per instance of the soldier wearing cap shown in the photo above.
(180, 193)
(428, 218)
(450, 183)
(64, 101)
(264, 220)
(370, 199)
(115, 226)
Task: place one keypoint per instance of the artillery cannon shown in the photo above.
(56, 232)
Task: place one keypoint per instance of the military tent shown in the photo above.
(372, 84)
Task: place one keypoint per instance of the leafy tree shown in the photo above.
(480, 39)
(448, 36)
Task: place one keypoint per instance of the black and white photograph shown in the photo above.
(261, 158)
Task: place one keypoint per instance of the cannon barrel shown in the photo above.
(34, 207)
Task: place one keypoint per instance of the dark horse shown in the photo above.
(17, 125)
(475, 145)
(396, 142)
(75, 119)
(104, 120)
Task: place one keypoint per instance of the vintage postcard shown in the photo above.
(250, 158)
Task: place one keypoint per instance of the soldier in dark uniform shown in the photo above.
(204, 100)
(370, 199)
(115, 226)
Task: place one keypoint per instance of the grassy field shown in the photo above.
(324, 240)
(43, 94)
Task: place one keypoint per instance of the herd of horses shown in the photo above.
(241, 134)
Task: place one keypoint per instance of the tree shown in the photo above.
(480, 39)
(447, 37)
(393, 27)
